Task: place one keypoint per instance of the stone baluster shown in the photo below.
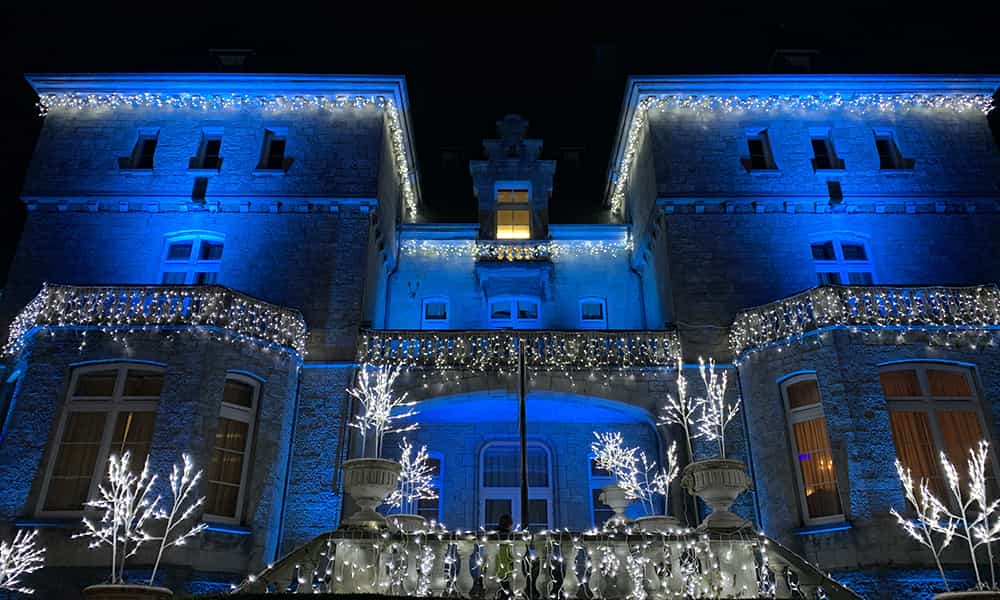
(411, 556)
(545, 580)
(571, 580)
(595, 581)
(488, 554)
(463, 580)
(518, 582)
(342, 567)
(653, 553)
(623, 582)
(439, 578)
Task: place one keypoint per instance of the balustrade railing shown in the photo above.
(131, 308)
(902, 308)
(548, 565)
(498, 350)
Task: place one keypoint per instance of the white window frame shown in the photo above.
(514, 493)
(426, 323)
(930, 405)
(437, 482)
(514, 321)
(193, 264)
(839, 265)
(596, 483)
(799, 415)
(111, 409)
(244, 415)
(593, 323)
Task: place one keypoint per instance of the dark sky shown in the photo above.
(464, 72)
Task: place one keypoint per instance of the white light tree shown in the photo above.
(18, 558)
(680, 410)
(716, 412)
(928, 518)
(380, 407)
(633, 470)
(415, 478)
(127, 507)
(182, 482)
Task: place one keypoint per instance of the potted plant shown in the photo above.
(637, 478)
(17, 558)
(719, 480)
(414, 485)
(369, 480)
(972, 517)
(128, 509)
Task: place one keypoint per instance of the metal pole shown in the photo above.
(522, 426)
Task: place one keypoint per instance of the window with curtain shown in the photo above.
(933, 408)
(191, 258)
(500, 485)
(227, 473)
(513, 213)
(111, 409)
(811, 451)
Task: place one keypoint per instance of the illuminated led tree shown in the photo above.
(380, 407)
(415, 478)
(680, 410)
(17, 558)
(127, 506)
(716, 413)
(182, 482)
(633, 470)
(930, 517)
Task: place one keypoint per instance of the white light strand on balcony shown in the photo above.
(855, 104)
(944, 315)
(122, 311)
(486, 250)
(73, 101)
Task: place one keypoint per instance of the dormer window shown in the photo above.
(513, 213)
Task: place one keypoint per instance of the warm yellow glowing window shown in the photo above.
(812, 452)
(512, 196)
(513, 225)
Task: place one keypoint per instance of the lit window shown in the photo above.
(192, 258)
(513, 224)
(889, 155)
(209, 152)
(514, 311)
(759, 148)
(430, 509)
(110, 409)
(933, 408)
(599, 478)
(811, 451)
(842, 262)
(273, 152)
(434, 314)
(226, 476)
(824, 156)
(143, 151)
(500, 485)
(593, 313)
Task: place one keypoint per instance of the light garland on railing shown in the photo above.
(491, 250)
(215, 102)
(861, 308)
(123, 310)
(857, 104)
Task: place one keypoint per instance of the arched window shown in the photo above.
(110, 408)
(842, 259)
(500, 484)
(228, 470)
(192, 258)
(933, 408)
(816, 470)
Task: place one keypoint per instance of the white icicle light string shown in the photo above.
(487, 250)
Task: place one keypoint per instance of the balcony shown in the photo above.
(865, 307)
(498, 350)
(124, 309)
(558, 564)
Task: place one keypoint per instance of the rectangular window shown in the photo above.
(192, 259)
(811, 451)
(759, 149)
(593, 314)
(513, 224)
(434, 314)
(842, 261)
(430, 509)
(500, 492)
(273, 152)
(228, 469)
(824, 156)
(599, 478)
(500, 310)
(527, 310)
(513, 311)
(889, 155)
(211, 152)
(512, 196)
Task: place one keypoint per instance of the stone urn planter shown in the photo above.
(406, 523)
(970, 595)
(368, 481)
(126, 592)
(615, 497)
(717, 481)
(658, 523)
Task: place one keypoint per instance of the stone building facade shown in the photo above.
(208, 259)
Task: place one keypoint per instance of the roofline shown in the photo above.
(253, 84)
(638, 87)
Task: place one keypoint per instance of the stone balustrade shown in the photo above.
(865, 307)
(122, 309)
(605, 565)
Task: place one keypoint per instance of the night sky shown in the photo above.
(463, 73)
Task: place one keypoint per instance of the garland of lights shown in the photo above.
(215, 102)
(114, 310)
(857, 104)
(488, 250)
(882, 308)
(498, 350)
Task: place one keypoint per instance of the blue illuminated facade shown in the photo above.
(293, 203)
